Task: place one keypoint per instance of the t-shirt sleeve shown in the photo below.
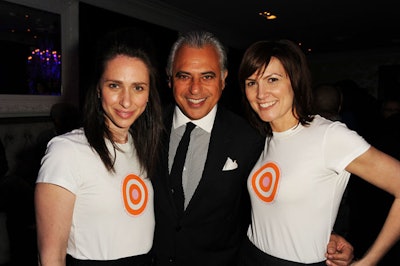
(59, 165)
(342, 146)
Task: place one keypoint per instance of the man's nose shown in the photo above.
(195, 86)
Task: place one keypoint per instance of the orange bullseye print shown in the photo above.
(135, 194)
(265, 181)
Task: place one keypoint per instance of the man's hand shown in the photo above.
(339, 252)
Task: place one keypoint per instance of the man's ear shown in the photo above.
(223, 78)
(169, 78)
(169, 81)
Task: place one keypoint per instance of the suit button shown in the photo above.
(171, 259)
(172, 191)
(178, 228)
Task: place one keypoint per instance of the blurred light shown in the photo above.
(267, 15)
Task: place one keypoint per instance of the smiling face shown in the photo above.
(270, 94)
(124, 88)
(197, 80)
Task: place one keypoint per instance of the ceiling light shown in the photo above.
(267, 15)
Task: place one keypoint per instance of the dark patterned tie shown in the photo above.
(177, 168)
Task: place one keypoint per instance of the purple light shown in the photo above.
(44, 71)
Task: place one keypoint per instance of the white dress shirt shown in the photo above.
(197, 150)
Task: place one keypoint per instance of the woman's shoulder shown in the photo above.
(76, 136)
(320, 121)
(334, 129)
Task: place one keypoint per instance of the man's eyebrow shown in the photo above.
(211, 73)
(181, 73)
(207, 73)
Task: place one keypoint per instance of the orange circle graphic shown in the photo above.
(265, 180)
(135, 194)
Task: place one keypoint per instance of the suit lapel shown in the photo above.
(164, 177)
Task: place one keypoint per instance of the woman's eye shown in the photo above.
(113, 85)
(138, 88)
(250, 83)
(272, 80)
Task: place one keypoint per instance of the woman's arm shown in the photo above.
(382, 171)
(54, 207)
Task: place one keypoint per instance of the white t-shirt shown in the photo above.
(113, 214)
(296, 188)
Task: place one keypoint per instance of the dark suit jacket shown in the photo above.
(215, 221)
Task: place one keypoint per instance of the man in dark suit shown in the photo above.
(208, 228)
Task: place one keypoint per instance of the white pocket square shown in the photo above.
(230, 165)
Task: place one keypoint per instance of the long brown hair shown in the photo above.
(148, 126)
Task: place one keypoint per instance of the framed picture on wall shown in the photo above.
(35, 55)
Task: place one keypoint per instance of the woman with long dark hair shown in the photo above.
(94, 197)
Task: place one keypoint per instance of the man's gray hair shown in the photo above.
(198, 39)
